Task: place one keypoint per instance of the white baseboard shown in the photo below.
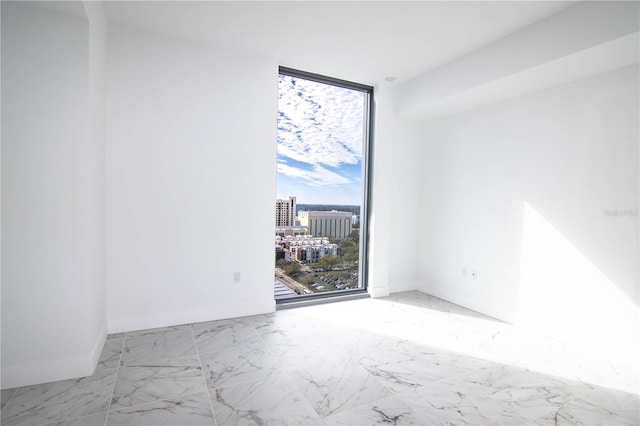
(165, 319)
(400, 286)
(45, 372)
(98, 346)
(53, 371)
(376, 292)
(469, 303)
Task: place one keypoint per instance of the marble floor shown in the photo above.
(406, 359)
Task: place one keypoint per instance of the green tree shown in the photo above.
(350, 249)
(291, 268)
(307, 280)
(327, 262)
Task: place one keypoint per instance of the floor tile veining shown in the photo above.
(406, 359)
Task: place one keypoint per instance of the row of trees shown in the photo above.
(289, 268)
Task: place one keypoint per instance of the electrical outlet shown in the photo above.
(236, 277)
(474, 274)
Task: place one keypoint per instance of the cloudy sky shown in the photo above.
(320, 135)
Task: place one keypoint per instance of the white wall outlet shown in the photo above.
(236, 277)
(474, 274)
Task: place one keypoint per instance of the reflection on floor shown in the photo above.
(406, 359)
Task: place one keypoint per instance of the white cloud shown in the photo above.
(318, 176)
(320, 124)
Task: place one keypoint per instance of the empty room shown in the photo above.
(456, 189)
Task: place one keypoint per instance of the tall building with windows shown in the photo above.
(332, 224)
(286, 212)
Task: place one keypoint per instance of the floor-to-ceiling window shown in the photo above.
(322, 174)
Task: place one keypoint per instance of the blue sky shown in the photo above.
(320, 135)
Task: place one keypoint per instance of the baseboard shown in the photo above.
(469, 303)
(45, 372)
(53, 371)
(191, 316)
(400, 286)
(98, 346)
(376, 292)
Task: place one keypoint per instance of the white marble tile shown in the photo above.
(435, 308)
(406, 359)
(600, 406)
(169, 346)
(273, 401)
(190, 410)
(6, 396)
(535, 399)
(261, 319)
(301, 353)
(111, 352)
(447, 392)
(422, 300)
(218, 335)
(338, 386)
(367, 343)
(266, 323)
(531, 394)
(57, 401)
(94, 420)
(400, 365)
(445, 403)
(451, 329)
(355, 316)
(496, 377)
(139, 385)
(388, 411)
(599, 369)
(544, 355)
(238, 364)
(287, 326)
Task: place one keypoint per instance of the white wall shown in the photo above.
(0, 198)
(96, 121)
(191, 148)
(529, 177)
(404, 205)
(53, 323)
(522, 193)
(585, 39)
(380, 193)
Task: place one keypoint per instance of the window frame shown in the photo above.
(367, 149)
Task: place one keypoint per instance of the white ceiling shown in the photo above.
(363, 41)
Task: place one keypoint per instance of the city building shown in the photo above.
(282, 254)
(304, 248)
(312, 254)
(333, 224)
(291, 231)
(286, 212)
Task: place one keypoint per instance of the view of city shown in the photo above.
(317, 249)
(320, 144)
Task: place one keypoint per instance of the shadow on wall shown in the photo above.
(564, 294)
